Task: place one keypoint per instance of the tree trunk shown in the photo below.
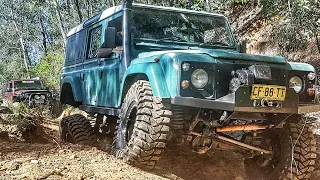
(58, 15)
(43, 33)
(68, 7)
(76, 2)
(88, 8)
(318, 42)
(23, 47)
(171, 3)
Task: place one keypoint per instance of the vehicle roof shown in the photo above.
(110, 11)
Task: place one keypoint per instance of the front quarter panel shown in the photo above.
(300, 66)
(161, 74)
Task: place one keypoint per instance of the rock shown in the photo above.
(34, 161)
(238, 178)
(61, 151)
(80, 177)
(73, 156)
(14, 166)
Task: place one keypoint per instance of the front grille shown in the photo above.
(220, 76)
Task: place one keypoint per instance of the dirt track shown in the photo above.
(54, 160)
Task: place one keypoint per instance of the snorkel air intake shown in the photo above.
(126, 6)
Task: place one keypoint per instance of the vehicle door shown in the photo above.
(90, 65)
(108, 68)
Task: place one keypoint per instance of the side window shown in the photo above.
(94, 42)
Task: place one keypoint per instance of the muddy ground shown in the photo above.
(48, 158)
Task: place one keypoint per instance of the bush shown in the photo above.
(49, 69)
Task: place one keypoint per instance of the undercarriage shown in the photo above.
(243, 130)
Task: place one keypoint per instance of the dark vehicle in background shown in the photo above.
(31, 92)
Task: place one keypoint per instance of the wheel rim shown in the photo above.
(128, 123)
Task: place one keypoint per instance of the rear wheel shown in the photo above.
(143, 127)
(294, 153)
(77, 129)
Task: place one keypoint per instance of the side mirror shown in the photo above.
(243, 46)
(9, 89)
(110, 37)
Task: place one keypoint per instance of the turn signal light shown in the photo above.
(310, 91)
(185, 84)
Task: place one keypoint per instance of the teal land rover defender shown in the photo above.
(174, 75)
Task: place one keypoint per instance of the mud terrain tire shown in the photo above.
(297, 149)
(77, 129)
(143, 127)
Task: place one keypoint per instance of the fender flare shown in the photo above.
(155, 75)
(75, 84)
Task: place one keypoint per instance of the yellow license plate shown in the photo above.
(268, 92)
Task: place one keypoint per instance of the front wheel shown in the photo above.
(294, 153)
(143, 127)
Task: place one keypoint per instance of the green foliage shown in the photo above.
(32, 33)
(49, 69)
(12, 70)
(300, 21)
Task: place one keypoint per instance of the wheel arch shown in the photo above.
(152, 73)
(71, 92)
(67, 95)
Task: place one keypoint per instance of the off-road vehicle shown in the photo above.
(29, 91)
(180, 76)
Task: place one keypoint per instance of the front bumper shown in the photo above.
(240, 102)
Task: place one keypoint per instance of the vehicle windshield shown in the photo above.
(28, 85)
(163, 26)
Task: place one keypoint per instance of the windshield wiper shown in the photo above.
(175, 39)
(212, 44)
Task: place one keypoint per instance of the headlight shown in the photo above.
(295, 83)
(311, 76)
(199, 78)
(43, 96)
(37, 96)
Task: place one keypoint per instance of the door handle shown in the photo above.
(101, 73)
(83, 76)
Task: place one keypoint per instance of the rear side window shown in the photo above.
(94, 42)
